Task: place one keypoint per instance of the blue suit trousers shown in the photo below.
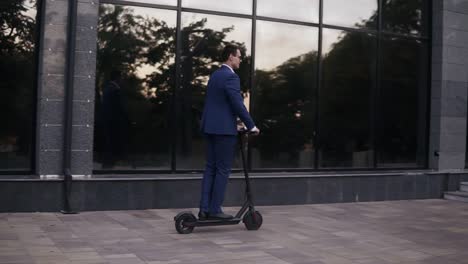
(220, 151)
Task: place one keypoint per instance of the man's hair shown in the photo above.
(229, 50)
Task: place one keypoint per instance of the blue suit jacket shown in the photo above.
(223, 104)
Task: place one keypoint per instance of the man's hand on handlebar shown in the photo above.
(243, 130)
(254, 131)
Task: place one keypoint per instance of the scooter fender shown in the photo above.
(181, 213)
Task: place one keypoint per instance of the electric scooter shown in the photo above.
(185, 222)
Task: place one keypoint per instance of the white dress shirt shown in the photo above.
(224, 64)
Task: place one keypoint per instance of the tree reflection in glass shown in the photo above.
(349, 72)
(403, 122)
(406, 16)
(140, 42)
(203, 38)
(133, 113)
(284, 95)
(17, 84)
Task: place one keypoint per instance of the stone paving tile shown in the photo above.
(403, 232)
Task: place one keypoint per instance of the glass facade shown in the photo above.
(297, 10)
(347, 90)
(356, 13)
(402, 104)
(156, 2)
(239, 6)
(345, 106)
(18, 52)
(406, 16)
(202, 39)
(284, 99)
(134, 87)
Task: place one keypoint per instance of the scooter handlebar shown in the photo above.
(245, 131)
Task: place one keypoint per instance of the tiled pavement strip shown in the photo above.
(410, 232)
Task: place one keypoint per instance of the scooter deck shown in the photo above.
(213, 222)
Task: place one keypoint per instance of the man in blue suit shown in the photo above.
(223, 105)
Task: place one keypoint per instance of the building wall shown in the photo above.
(449, 85)
(52, 91)
(447, 138)
(51, 95)
(173, 191)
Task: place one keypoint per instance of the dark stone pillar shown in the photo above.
(449, 85)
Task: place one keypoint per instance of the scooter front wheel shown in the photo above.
(252, 221)
(183, 218)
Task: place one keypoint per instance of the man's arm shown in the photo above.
(232, 89)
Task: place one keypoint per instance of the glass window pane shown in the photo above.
(356, 13)
(345, 99)
(299, 10)
(18, 63)
(239, 6)
(402, 137)
(406, 16)
(133, 112)
(203, 39)
(284, 95)
(156, 2)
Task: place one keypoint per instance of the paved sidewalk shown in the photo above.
(409, 232)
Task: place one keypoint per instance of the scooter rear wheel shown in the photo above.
(184, 218)
(252, 221)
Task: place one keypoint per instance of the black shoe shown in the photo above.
(202, 215)
(221, 216)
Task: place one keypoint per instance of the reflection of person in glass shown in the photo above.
(115, 120)
(223, 104)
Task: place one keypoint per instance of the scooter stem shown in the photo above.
(246, 172)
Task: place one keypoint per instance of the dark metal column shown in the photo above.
(68, 115)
